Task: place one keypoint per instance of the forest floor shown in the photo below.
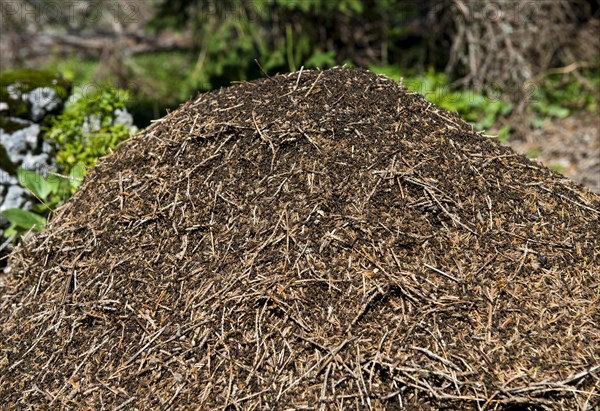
(570, 146)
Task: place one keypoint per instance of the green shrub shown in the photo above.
(86, 130)
(560, 95)
(22, 221)
(231, 34)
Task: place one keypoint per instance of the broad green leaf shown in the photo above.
(504, 134)
(557, 111)
(40, 208)
(34, 182)
(24, 219)
(11, 231)
(76, 175)
(321, 59)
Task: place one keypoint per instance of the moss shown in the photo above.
(5, 163)
(27, 80)
(9, 125)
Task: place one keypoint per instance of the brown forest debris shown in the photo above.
(316, 240)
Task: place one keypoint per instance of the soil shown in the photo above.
(570, 146)
(316, 240)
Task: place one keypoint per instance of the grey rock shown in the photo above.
(5, 179)
(11, 180)
(32, 138)
(91, 124)
(16, 197)
(35, 162)
(20, 142)
(43, 100)
(3, 106)
(14, 91)
(46, 147)
(122, 116)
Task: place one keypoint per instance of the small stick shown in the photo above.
(324, 388)
(313, 84)
(569, 200)
(261, 68)
(141, 350)
(121, 193)
(298, 79)
(443, 273)
(435, 357)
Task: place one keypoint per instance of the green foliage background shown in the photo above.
(286, 34)
(86, 130)
(239, 40)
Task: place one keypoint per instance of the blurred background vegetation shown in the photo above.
(537, 57)
(507, 66)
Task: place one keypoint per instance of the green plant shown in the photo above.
(533, 152)
(504, 134)
(229, 35)
(74, 69)
(476, 108)
(86, 130)
(321, 59)
(25, 80)
(50, 191)
(22, 221)
(560, 95)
